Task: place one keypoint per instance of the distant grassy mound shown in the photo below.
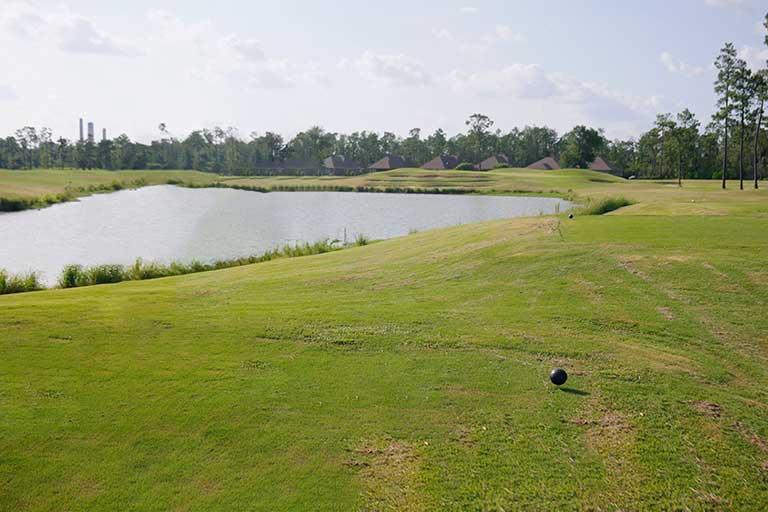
(411, 374)
(41, 187)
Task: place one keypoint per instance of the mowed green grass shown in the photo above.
(43, 182)
(411, 374)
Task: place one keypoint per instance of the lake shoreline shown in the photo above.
(13, 204)
(169, 223)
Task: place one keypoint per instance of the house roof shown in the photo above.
(492, 161)
(340, 162)
(545, 164)
(389, 162)
(600, 164)
(442, 163)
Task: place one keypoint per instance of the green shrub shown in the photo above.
(361, 240)
(72, 276)
(12, 204)
(104, 274)
(465, 166)
(18, 283)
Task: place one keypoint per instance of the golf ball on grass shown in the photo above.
(558, 376)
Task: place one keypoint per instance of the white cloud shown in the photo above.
(442, 33)
(725, 3)
(741, 6)
(388, 69)
(7, 92)
(506, 34)
(248, 50)
(603, 103)
(79, 35)
(756, 58)
(230, 57)
(516, 80)
(531, 82)
(469, 10)
(676, 66)
(70, 33)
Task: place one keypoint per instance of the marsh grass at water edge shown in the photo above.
(75, 276)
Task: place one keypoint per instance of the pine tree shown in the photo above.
(726, 69)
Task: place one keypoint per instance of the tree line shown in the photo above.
(732, 145)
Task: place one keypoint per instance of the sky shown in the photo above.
(350, 66)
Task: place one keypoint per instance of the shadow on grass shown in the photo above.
(574, 391)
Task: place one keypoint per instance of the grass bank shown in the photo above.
(76, 276)
(411, 374)
(21, 190)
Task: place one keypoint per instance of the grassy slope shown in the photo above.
(38, 183)
(412, 373)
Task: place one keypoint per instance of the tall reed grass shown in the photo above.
(605, 205)
(74, 276)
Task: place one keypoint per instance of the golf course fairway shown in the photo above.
(413, 373)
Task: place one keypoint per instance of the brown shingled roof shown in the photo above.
(441, 163)
(600, 164)
(545, 164)
(389, 162)
(340, 162)
(491, 162)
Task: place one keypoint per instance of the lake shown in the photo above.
(164, 223)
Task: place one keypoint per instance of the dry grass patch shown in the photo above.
(388, 470)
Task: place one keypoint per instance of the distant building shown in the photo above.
(388, 163)
(82, 137)
(90, 131)
(493, 162)
(441, 163)
(339, 164)
(103, 134)
(602, 165)
(545, 164)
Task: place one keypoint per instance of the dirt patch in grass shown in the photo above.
(610, 434)
(629, 264)
(710, 267)
(712, 500)
(759, 278)
(666, 313)
(610, 430)
(751, 437)
(388, 470)
(710, 409)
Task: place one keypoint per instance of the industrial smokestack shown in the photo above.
(90, 131)
(81, 129)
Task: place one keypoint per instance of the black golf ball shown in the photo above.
(570, 215)
(558, 376)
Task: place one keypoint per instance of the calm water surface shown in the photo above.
(165, 223)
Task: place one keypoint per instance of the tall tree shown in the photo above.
(685, 133)
(581, 146)
(743, 97)
(760, 87)
(726, 70)
(479, 130)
